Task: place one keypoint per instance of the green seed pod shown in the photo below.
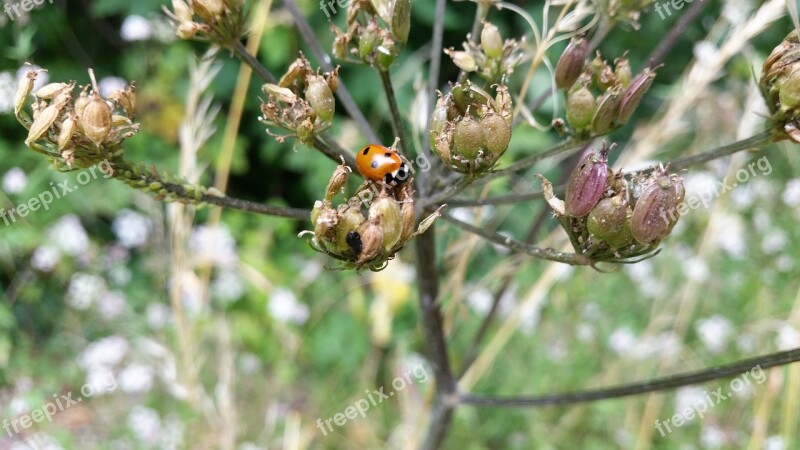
(571, 63)
(401, 20)
(610, 221)
(491, 41)
(320, 98)
(367, 40)
(607, 111)
(656, 210)
(350, 218)
(496, 134)
(468, 138)
(789, 94)
(634, 94)
(444, 142)
(622, 70)
(387, 210)
(386, 54)
(586, 185)
(580, 109)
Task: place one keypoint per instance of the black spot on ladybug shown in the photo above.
(374, 164)
(366, 150)
(388, 154)
(353, 240)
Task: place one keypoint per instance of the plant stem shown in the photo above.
(658, 384)
(330, 148)
(397, 120)
(325, 61)
(241, 52)
(433, 83)
(427, 271)
(549, 254)
(477, 26)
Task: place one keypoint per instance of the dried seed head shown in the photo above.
(50, 90)
(371, 235)
(570, 64)
(387, 211)
(496, 134)
(24, 89)
(126, 99)
(68, 127)
(95, 122)
(468, 138)
(491, 41)
(586, 184)
(610, 221)
(634, 94)
(581, 108)
(320, 98)
(656, 210)
(325, 220)
(42, 123)
(282, 94)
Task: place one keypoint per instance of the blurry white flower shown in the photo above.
(788, 338)
(284, 307)
(480, 300)
(712, 437)
(99, 380)
(665, 345)
(784, 263)
(136, 379)
(762, 219)
(701, 185)
(69, 235)
(774, 241)
(311, 269)
(120, 275)
(585, 332)
(730, 235)
(18, 406)
(743, 197)
(8, 86)
(45, 258)
(249, 363)
(157, 315)
(689, 397)
(131, 228)
(774, 443)
(109, 85)
(111, 304)
(791, 194)
(228, 286)
(213, 245)
(746, 343)
(84, 289)
(145, 424)
(622, 340)
(41, 80)
(104, 353)
(135, 28)
(15, 180)
(37, 441)
(714, 332)
(696, 269)
(172, 435)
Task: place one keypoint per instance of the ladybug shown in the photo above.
(378, 163)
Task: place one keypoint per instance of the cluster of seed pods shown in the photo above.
(611, 218)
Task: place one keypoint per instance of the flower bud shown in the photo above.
(496, 134)
(24, 89)
(656, 210)
(387, 211)
(491, 41)
(320, 98)
(610, 221)
(95, 122)
(586, 184)
(468, 138)
(580, 109)
(570, 64)
(401, 20)
(634, 94)
(607, 111)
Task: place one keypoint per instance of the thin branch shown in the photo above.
(477, 26)
(549, 254)
(669, 41)
(241, 52)
(325, 61)
(435, 340)
(253, 207)
(496, 200)
(654, 385)
(397, 120)
(433, 83)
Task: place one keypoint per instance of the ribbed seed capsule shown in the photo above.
(496, 134)
(387, 210)
(622, 70)
(570, 64)
(24, 89)
(42, 123)
(468, 138)
(68, 128)
(337, 181)
(491, 41)
(49, 91)
(320, 98)
(386, 53)
(349, 221)
(95, 122)
(580, 109)
(586, 185)
(634, 94)
(610, 221)
(401, 20)
(182, 11)
(371, 236)
(367, 40)
(208, 10)
(607, 110)
(789, 94)
(408, 218)
(651, 221)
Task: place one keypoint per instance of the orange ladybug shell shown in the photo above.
(378, 163)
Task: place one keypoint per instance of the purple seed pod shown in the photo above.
(571, 63)
(656, 211)
(634, 94)
(586, 184)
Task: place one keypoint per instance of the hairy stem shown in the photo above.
(654, 385)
